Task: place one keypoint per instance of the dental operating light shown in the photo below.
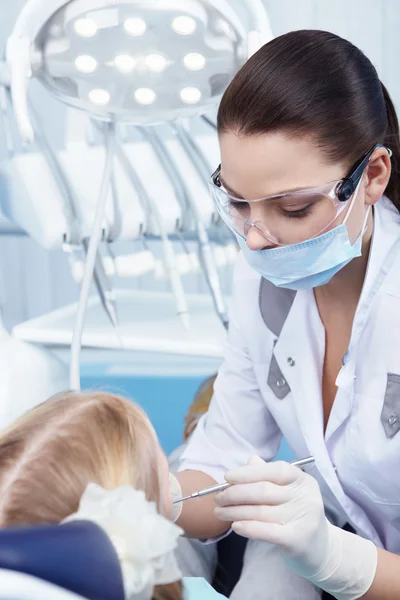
(99, 55)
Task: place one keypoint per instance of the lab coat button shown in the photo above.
(290, 362)
(276, 380)
(392, 420)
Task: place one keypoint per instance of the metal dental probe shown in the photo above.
(222, 486)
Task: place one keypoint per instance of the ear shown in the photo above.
(377, 175)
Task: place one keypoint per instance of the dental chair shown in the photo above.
(75, 561)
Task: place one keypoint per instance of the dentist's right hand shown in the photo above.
(280, 504)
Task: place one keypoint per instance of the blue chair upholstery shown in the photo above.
(76, 556)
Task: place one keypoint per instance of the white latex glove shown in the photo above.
(280, 504)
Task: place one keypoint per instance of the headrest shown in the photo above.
(77, 556)
(20, 586)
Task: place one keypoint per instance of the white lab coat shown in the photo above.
(250, 411)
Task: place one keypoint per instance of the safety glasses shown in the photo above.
(289, 217)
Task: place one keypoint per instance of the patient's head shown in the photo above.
(48, 456)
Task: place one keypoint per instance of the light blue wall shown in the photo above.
(34, 281)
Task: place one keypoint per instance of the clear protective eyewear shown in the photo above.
(289, 217)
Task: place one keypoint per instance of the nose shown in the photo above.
(256, 241)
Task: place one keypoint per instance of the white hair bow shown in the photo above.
(143, 539)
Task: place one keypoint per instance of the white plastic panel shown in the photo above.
(32, 199)
(197, 187)
(157, 184)
(43, 376)
(84, 167)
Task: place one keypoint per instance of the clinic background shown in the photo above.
(34, 281)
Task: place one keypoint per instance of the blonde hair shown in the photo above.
(49, 455)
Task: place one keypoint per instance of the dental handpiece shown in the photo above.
(223, 486)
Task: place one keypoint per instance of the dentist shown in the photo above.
(309, 182)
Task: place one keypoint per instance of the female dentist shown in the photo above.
(310, 184)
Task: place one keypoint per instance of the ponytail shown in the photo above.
(392, 141)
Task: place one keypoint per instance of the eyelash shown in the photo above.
(238, 205)
(289, 214)
(298, 214)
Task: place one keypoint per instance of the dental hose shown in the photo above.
(95, 239)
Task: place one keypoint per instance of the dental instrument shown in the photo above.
(102, 283)
(189, 204)
(169, 254)
(223, 486)
(209, 122)
(208, 257)
(104, 288)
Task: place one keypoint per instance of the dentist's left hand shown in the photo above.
(280, 504)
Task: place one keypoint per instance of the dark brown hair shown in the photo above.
(312, 82)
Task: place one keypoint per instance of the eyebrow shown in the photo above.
(239, 196)
(230, 190)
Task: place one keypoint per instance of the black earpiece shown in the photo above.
(345, 190)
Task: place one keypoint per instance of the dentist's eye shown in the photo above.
(298, 214)
(239, 206)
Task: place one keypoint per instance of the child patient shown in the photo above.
(50, 455)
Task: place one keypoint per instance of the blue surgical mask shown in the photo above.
(308, 264)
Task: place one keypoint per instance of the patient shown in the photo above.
(50, 455)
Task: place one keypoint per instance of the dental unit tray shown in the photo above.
(148, 322)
